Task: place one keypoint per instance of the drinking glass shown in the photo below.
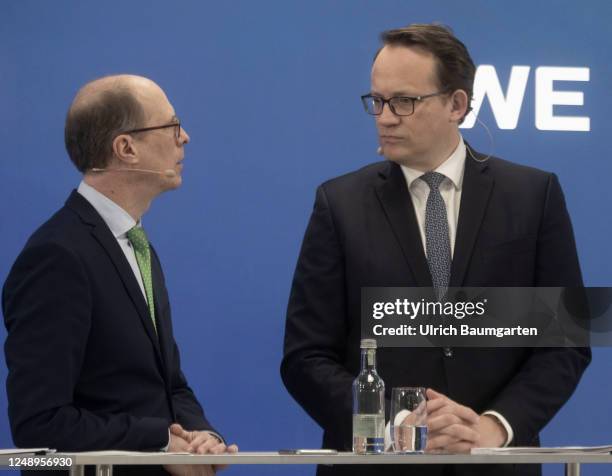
(408, 419)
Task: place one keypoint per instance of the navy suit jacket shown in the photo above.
(513, 230)
(86, 368)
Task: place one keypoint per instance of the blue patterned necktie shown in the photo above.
(436, 234)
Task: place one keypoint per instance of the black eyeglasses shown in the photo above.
(399, 105)
(176, 124)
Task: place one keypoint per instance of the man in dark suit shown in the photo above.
(437, 213)
(92, 359)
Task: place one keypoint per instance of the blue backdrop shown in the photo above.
(269, 92)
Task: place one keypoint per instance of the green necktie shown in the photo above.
(139, 241)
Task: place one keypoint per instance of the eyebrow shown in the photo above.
(395, 94)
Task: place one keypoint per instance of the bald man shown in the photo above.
(92, 360)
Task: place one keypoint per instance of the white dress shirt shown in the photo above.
(119, 221)
(450, 189)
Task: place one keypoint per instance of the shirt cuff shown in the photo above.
(398, 419)
(218, 436)
(165, 448)
(504, 423)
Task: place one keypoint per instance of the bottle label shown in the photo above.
(368, 433)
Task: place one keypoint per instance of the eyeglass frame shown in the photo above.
(414, 100)
(176, 124)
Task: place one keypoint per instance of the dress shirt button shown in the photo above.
(448, 352)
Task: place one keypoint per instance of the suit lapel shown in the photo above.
(476, 190)
(103, 235)
(163, 324)
(395, 199)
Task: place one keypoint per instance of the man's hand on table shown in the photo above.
(200, 442)
(455, 428)
(180, 445)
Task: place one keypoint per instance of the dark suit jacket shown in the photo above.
(513, 230)
(86, 368)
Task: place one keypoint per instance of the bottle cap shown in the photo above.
(368, 343)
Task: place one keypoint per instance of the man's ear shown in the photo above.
(459, 105)
(124, 149)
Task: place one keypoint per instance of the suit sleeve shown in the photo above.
(47, 311)
(316, 330)
(550, 375)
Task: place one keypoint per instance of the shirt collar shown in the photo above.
(116, 218)
(452, 167)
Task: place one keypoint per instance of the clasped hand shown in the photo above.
(455, 428)
(196, 442)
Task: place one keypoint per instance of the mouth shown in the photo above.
(390, 139)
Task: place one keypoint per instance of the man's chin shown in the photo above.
(172, 183)
(407, 161)
(398, 158)
(394, 152)
(177, 181)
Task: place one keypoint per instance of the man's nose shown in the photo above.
(184, 137)
(387, 117)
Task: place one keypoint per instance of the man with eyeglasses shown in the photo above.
(92, 361)
(436, 214)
